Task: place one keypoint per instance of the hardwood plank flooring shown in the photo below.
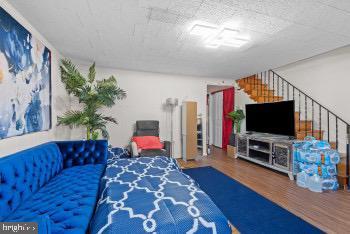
(329, 211)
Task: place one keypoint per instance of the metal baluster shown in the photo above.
(273, 79)
(299, 111)
(287, 91)
(336, 133)
(265, 83)
(305, 123)
(268, 95)
(278, 86)
(261, 84)
(282, 90)
(253, 80)
(328, 125)
(320, 119)
(313, 121)
(256, 85)
(293, 93)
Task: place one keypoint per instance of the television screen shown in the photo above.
(274, 118)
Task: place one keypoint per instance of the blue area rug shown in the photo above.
(247, 210)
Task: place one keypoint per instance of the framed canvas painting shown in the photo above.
(25, 80)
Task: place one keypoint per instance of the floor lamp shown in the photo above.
(172, 103)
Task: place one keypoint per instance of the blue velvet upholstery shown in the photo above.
(24, 173)
(59, 190)
(68, 199)
(83, 152)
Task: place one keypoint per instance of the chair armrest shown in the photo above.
(167, 147)
(77, 153)
(134, 150)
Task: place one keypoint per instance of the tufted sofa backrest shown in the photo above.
(25, 172)
(76, 153)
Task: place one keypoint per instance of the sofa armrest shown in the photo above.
(77, 153)
(167, 147)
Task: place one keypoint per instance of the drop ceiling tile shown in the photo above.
(123, 34)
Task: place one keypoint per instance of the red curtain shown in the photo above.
(228, 106)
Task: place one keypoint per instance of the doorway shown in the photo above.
(220, 101)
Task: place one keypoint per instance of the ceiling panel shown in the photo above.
(153, 35)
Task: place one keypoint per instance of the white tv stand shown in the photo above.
(272, 151)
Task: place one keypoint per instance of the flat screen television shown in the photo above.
(274, 118)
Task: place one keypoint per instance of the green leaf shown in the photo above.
(92, 73)
(107, 91)
(72, 119)
(71, 77)
(110, 119)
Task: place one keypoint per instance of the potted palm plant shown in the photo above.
(237, 117)
(93, 94)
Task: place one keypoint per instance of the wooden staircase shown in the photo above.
(259, 87)
(261, 93)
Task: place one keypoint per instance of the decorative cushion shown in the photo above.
(68, 200)
(24, 173)
(147, 142)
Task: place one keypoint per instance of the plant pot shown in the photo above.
(232, 140)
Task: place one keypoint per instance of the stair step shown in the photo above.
(264, 92)
(249, 87)
(246, 80)
(252, 81)
(303, 125)
(261, 99)
(300, 135)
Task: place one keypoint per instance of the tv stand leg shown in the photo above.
(290, 175)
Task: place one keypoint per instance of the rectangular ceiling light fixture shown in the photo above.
(227, 34)
(215, 36)
(202, 30)
(235, 42)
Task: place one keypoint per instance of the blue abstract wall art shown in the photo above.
(25, 80)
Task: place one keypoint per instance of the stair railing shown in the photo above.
(276, 87)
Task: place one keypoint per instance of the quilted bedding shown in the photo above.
(152, 195)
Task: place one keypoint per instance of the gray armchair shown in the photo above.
(149, 128)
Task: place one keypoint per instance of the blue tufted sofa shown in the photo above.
(55, 184)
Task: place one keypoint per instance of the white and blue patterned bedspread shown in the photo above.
(152, 195)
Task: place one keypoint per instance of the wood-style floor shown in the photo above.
(329, 211)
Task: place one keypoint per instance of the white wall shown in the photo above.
(147, 93)
(325, 78)
(60, 100)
